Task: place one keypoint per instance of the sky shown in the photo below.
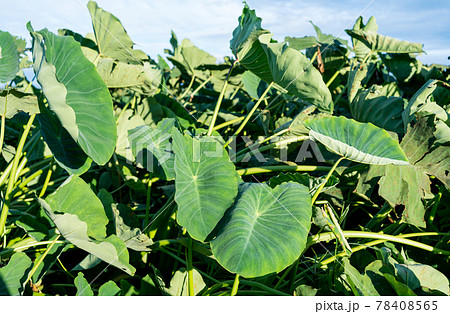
(210, 23)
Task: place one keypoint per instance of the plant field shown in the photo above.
(309, 166)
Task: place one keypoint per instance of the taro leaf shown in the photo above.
(67, 153)
(379, 43)
(360, 142)
(291, 71)
(305, 179)
(404, 66)
(112, 39)
(179, 283)
(120, 74)
(360, 49)
(418, 99)
(385, 112)
(109, 288)
(83, 287)
(288, 68)
(301, 43)
(133, 238)
(126, 122)
(361, 285)
(189, 58)
(420, 275)
(33, 227)
(153, 148)
(13, 275)
(49, 260)
(9, 57)
(82, 221)
(399, 287)
(254, 86)
(265, 231)
(12, 101)
(358, 73)
(84, 41)
(154, 109)
(206, 183)
(245, 38)
(75, 93)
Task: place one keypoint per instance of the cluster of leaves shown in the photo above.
(124, 175)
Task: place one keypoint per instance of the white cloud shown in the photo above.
(209, 23)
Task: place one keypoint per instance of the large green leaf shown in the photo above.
(179, 283)
(379, 43)
(75, 93)
(67, 153)
(385, 112)
(361, 285)
(420, 275)
(9, 57)
(109, 288)
(265, 231)
(126, 122)
(82, 221)
(13, 275)
(152, 148)
(120, 74)
(404, 66)
(112, 39)
(288, 68)
(361, 50)
(12, 101)
(205, 181)
(360, 142)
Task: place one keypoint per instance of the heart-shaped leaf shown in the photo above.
(75, 93)
(14, 274)
(205, 181)
(265, 231)
(9, 57)
(360, 142)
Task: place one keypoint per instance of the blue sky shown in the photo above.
(209, 23)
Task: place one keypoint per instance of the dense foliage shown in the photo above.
(304, 167)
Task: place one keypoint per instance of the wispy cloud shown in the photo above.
(209, 23)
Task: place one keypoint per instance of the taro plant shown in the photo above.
(303, 167)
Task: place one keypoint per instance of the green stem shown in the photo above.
(256, 170)
(220, 126)
(190, 267)
(435, 205)
(11, 182)
(47, 180)
(234, 290)
(219, 101)
(147, 202)
(333, 78)
(188, 88)
(199, 88)
(328, 236)
(326, 180)
(18, 247)
(247, 149)
(249, 115)
(41, 259)
(235, 92)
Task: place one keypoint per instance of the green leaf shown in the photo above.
(82, 221)
(302, 42)
(205, 181)
(379, 43)
(112, 39)
(360, 142)
(425, 276)
(9, 57)
(277, 62)
(361, 285)
(67, 153)
(254, 86)
(12, 101)
(305, 290)
(126, 122)
(13, 275)
(179, 283)
(265, 231)
(153, 148)
(404, 66)
(359, 47)
(109, 288)
(385, 112)
(305, 179)
(75, 93)
(83, 287)
(120, 74)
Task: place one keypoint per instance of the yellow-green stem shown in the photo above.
(234, 290)
(40, 260)
(189, 87)
(200, 87)
(190, 267)
(326, 180)
(249, 115)
(256, 170)
(222, 125)
(11, 182)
